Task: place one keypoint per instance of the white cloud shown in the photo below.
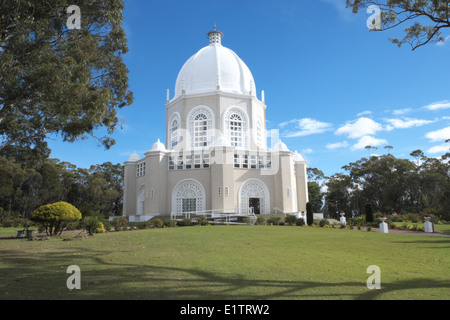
(360, 128)
(368, 141)
(307, 151)
(439, 149)
(438, 105)
(306, 127)
(405, 123)
(400, 112)
(364, 113)
(337, 145)
(439, 135)
(442, 43)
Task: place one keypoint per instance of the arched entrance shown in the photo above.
(254, 197)
(188, 196)
(140, 205)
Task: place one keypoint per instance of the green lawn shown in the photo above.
(227, 262)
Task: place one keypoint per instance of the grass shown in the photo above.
(227, 262)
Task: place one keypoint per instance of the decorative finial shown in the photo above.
(215, 37)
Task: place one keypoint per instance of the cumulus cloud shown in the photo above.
(368, 141)
(359, 128)
(306, 127)
(439, 149)
(439, 135)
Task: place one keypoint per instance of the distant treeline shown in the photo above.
(29, 179)
(391, 185)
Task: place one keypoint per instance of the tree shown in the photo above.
(389, 148)
(55, 217)
(430, 16)
(369, 212)
(309, 214)
(57, 80)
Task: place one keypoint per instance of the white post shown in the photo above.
(383, 226)
(342, 219)
(428, 226)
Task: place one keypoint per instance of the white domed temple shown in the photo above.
(215, 162)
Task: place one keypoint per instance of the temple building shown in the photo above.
(216, 159)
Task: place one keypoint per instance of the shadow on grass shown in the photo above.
(43, 276)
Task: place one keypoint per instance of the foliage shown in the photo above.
(55, 217)
(186, 222)
(119, 223)
(157, 223)
(274, 221)
(423, 19)
(300, 222)
(91, 224)
(369, 212)
(324, 222)
(392, 186)
(57, 80)
(31, 179)
(309, 214)
(290, 220)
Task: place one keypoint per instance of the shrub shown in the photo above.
(309, 214)
(300, 222)
(119, 223)
(91, 224)
(201, 220)
(168, 223)
(53, 218)
(100, 228)
(291, 220)
(186, 222)
(324, 222)
(260, 220)
(107, 226)
(274, 220)
(157, 223)
(369, 212)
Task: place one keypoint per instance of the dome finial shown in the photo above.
(215, 37)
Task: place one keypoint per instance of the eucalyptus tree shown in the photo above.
(423, 20)
(57, 79)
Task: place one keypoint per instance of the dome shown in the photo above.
(280, 146)
(298, 157)
(215, 67)
(134, 157)
(158, 146)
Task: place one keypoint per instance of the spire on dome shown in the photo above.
(215, 37)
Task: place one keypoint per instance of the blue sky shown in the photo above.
(331, 86)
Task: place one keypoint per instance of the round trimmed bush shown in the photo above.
(53, 218)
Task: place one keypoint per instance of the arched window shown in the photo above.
(188, 196)
(174, 131)
(259, 134)
(201, 126)
(236, 127)
(174, 138)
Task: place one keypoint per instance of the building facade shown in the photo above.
(216, 158)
